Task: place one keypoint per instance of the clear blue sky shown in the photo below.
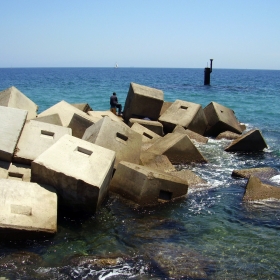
(140, 33)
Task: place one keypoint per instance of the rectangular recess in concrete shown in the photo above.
(84, 151)
(15, 175)
(121, 137)
(47, 134)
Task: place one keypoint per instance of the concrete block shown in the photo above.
(80, 172)
(83, 107)
(178, 148)
(164, 107)
(147, 134)
(14, 98)
(146, 186)
(228, 135)
(186, 114)
(159, 162)
(4, 167)
(36, 137)
(101, 114)
(220, 119)
(252, 141)
(154, 126)
(192, 135)
(263, 173)
(117, 137)
(19, 172)
(11, 125)
(143, 101)
(52, 119)
(256, 190)
(66, 112)
(192, 180)
(26, 210)
(79, 124)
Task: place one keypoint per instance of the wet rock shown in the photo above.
(263, 173)
(256, 190)
(252, 141)
(228, 135)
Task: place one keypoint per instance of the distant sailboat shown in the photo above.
(116, 65)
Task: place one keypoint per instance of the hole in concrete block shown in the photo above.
(147, 135)
(165, 195)
(184, 107)
(47, 133)
(21, 209)
(15, 175)
(84, 151)
(222, 111)
(122, 138)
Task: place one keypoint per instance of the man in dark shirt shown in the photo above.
(114, 103)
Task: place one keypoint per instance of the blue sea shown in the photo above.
(210, 234)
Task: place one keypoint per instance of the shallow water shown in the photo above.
(210, 234)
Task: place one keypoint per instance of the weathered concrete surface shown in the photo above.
(85, 107)
(36, 137)
(154, 126)
(192, 135)
(79, 124)
(147, 134)
(228, 135)
(186, 114)
(252, 141)
(146, 186)
(80, 172)
(117, 137)
(26, 209)
(256, 190)
(164, 107)
(19, 172)
(52, 119)
(263, 173)
(14, 98)
(220, 119)
(178, 148)
(143, 101)
(11, 125)
(160, 162)
(101, 114)
(193, 180)
(66, 112)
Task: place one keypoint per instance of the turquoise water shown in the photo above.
(211, 234)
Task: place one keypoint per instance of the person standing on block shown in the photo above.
(114, 103)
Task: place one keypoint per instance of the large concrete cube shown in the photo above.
(154, 126)
(26, 209)
(101, 114)
(220, 119)
(12, 97)
(147, 134)
(178, 148)
(146, 186)
(36, 137)
(52, 119)
(192, 135)
(252, 141)
(186, 114)
(79, 124)
(85, 107)
(117, 137)
(11, 125)
(143, 101)
(66, 112)
(80, 172)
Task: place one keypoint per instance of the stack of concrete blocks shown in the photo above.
(11, 125)
(154, 126)
(146, 186)
(252, 141)
(36, 137)
(71, 117)
(178, 148)
(102, 114)
(79, 171)
(192, 135)
(12, 97)
(27, 210)
(186, 114)
(220, 119)
(143, 102)
(117, 137)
